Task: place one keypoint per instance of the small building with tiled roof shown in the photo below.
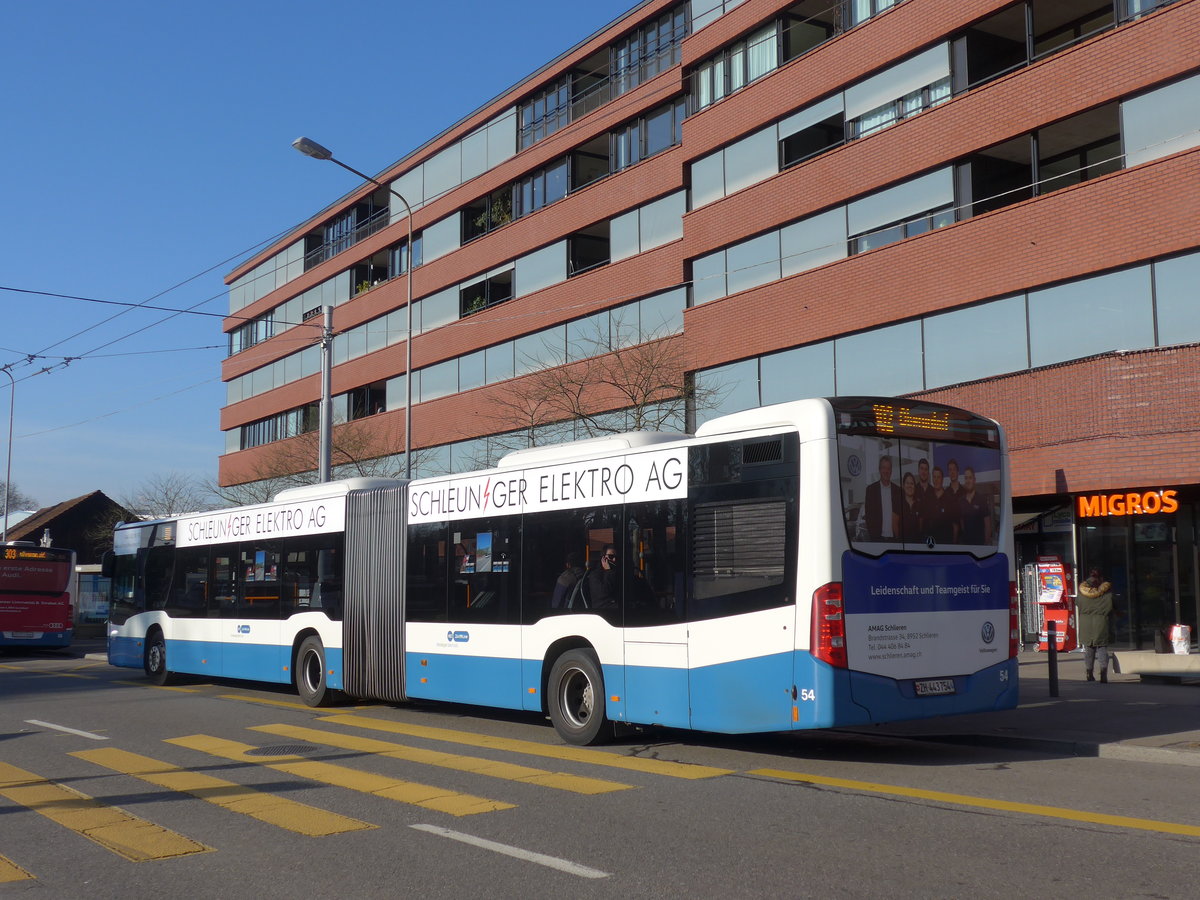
(84, 524)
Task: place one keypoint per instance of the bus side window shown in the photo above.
(158, 576)
(189, 587)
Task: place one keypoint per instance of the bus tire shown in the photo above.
(155, 660)
(310, 673)
(576, 697)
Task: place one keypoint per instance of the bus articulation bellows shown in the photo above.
(813, 564)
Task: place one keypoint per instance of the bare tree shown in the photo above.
(359, 450)
(17, 499)
(641, 387)
(168, 494)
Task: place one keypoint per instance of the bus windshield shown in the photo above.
(918, 476)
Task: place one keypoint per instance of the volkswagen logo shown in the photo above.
(988, 632)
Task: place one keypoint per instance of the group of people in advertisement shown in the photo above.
(936, 498)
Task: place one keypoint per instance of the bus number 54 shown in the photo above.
(808, 694)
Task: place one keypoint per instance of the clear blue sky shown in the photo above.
(146, 145)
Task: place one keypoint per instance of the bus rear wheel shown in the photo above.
(576, 697)
(155, 662)
(310, 673)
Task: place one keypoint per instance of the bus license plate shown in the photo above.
(934, 687)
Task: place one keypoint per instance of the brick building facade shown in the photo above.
(990, 204)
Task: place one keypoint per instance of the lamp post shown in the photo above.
(12, 402)
(316, 151)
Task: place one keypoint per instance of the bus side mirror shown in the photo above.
(108, 564)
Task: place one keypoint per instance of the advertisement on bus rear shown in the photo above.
(946, 616)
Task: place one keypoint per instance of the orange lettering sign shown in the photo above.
(1127, 504)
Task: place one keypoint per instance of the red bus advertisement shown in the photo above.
(36, 607)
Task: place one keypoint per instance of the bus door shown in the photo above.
(251, 635)
(655, 631)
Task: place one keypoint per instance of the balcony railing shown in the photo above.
(373, 224)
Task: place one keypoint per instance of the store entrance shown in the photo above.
(1141, 559)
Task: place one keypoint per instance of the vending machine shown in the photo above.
(1055, 590)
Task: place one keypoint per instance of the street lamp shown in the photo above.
(12, 402)
(316, 151)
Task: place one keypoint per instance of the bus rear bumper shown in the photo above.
(36, 638)
(891, 700)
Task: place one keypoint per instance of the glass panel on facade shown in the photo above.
(1092, 315)
(662, 220)
(471, 371)
(726, 389)
(587, 337)
(1161, 122)
(813, 241)
(708, 179)
(886, 361)
(498, 362)
(1177, 299)
(708, 277)
(753, 262)
(751, 160)
(439, 380)
(798, 373)
(541, 268)
(977, 342)
(662, 314)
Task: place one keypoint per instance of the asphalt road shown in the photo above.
(110, 787)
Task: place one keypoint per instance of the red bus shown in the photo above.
(36, 606)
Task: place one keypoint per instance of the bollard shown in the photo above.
(1052, 658)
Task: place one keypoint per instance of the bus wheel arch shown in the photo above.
(574, 692)
(154, 659)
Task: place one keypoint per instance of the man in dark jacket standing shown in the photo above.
(1095, 609)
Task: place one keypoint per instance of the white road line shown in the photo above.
(86, 734)
(551, 862)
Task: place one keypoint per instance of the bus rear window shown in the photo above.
(919, 493)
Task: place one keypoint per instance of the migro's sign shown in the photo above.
(1131, 503)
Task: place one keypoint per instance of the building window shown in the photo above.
(544, 186)
(938, 218)
(487, 214)
(652, 133)
(545, 113)
(485, 292)
(588, 249)
(901, 108)
(399, 254)
(653, 48)
(737, 66)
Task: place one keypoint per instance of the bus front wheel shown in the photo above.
(155, 662)
(576, 697)
(310, 673)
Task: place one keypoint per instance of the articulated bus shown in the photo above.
(820, 563)
(36, 607)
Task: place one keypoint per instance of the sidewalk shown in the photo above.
(1124, 719)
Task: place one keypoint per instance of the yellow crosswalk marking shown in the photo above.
(159, 687)
(297, 817)
(422, 795)
(10, 871)
(510, 771)
(286, 704)
(531, 748)
(1033, 809)
(109, 826)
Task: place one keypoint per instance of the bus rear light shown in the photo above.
(828, 635)
(1014, 621)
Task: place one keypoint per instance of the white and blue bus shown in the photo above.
(814, 564)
